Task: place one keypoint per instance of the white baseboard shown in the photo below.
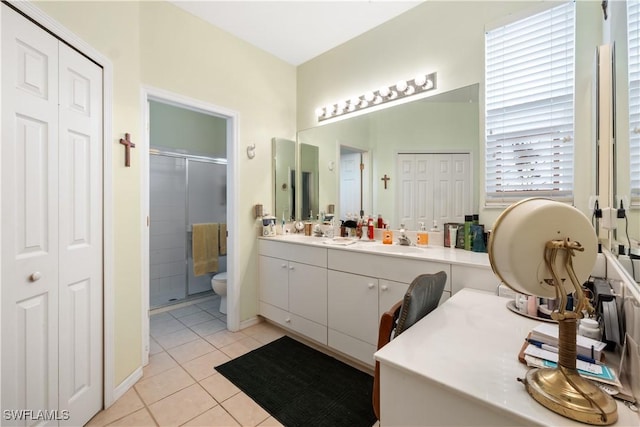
(250, 322)
(125, 385)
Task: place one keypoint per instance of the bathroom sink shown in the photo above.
(397, 249)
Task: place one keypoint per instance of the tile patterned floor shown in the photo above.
(179, 386)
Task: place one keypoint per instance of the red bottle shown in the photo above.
(370, 228)
(380, 221)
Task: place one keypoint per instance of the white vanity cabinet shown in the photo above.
(357, 300)
(353, 314)
(480, 278)
(293, 287)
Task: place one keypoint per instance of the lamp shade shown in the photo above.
(518, 239)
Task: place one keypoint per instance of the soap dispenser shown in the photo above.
(423, 236)
(435, 235)
(387, 236)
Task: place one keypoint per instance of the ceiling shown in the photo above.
(296, 30)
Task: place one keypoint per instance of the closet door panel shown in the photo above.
(29, 216)
(81, 287)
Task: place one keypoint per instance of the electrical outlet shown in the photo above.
(608, 219)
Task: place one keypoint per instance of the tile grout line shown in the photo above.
(216, 348)
(165, 350)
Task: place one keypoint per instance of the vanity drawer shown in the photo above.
(352, 347)
(396, 268)
(293, 252)
(298, 324)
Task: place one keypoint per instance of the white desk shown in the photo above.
(458, 367)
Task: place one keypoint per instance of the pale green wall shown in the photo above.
(178, 128)
(447, 37)
(157, 44)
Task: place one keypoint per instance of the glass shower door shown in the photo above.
(207, 202)
(167, 233)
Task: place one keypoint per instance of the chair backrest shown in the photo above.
(421, 298)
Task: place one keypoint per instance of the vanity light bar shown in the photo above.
(404, 88)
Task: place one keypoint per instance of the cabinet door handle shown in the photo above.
(35, 276)
(370, 286)
(291, 268)
(283, 265)
(287, 320)
(384, 287)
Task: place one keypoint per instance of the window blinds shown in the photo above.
(529, 107)
(633, 28)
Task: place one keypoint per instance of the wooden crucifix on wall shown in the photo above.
(385, 178)
(128, 145)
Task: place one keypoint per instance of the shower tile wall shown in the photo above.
(167, 232)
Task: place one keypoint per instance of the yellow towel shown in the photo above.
(223, 239)
(205, 248)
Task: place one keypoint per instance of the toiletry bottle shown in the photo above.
(436, 237)
(423, 236)
(380, 221)
(468, 219)
(387, 236)
(359, 228)
(370, 234)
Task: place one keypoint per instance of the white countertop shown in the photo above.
(470, 345)
(430, 252)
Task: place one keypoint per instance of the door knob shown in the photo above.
(384, 287)
(291, 268)
(370, 285)
(35, 276)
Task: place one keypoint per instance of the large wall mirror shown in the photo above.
(440, 124)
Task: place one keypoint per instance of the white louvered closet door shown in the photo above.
(51, 286)
(433, 186)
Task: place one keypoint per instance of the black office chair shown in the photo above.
(421, 298)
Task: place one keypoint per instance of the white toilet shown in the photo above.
(219, 285)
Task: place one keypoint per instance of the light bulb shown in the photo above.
(342, 105)
(410, 90)
(328, 110)
(384, 91)
(393, 94)
(377, 99)
(363, 103)
(429, 84)
(319, 111)
(369, 96)
(401, 85)
(420, 80)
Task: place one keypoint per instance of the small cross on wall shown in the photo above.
(127, 147)
(385, 178)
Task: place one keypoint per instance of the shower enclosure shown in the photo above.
(184, 190)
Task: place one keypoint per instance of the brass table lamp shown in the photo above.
(545, 248)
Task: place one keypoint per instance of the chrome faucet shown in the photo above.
(403, 239)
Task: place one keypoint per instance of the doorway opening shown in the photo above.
(355, 178)
(187, 187)
(213, 166)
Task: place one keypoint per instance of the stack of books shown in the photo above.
(541, 350)
(547, 333)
